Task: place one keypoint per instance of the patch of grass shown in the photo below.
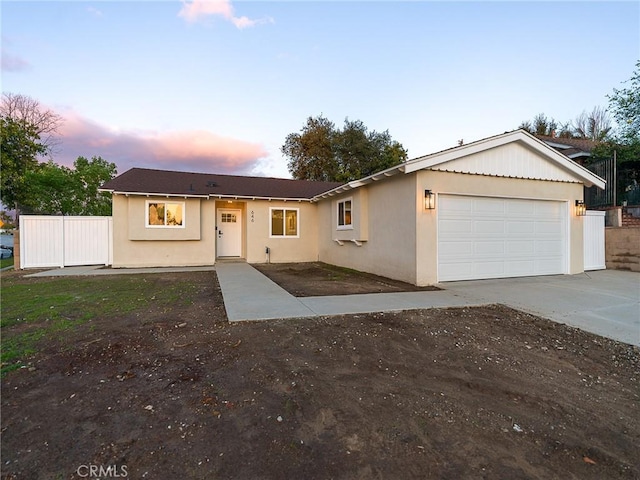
(36, 308)
(6, 262)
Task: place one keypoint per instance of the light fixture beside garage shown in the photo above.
(581, 209)
(429, 200)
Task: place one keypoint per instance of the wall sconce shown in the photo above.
(581, 209)
(429, 200)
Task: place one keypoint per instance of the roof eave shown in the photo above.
(389, 172)
(205, 196)
(587, 177)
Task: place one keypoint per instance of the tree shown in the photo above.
(53, 189)
(593, 126)
(625, 106)
(541, 125)
(6, 220)
(89, 175)
(28, 131)
(48, 190)
(311, 151)
(19, 149)
(29, 114)
(323, 153)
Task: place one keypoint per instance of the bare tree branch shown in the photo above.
(25, 110)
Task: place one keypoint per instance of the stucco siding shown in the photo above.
(136, 246)
(389, 216)
(303, 248)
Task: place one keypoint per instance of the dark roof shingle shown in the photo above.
(165, 182)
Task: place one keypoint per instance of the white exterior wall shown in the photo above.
(594, 251)
(59, 241)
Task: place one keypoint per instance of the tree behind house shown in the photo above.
(322, 152)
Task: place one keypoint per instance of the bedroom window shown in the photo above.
(344, 214)
(165, 214)
(284, 222)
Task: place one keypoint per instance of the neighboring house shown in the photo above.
(577, 149)
(499, 207)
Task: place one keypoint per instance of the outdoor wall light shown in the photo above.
(581, 209)
(429, 200)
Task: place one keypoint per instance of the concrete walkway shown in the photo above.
(249, 295)
(605, 302)
(100, 270)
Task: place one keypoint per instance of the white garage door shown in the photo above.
(481, 237)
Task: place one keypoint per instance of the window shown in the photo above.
(344, 214)
(165, 214)
(228, 218)
(284, 222)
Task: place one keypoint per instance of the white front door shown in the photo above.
(229, 233)
(482, 237)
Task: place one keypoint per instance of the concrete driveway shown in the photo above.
(605, 302)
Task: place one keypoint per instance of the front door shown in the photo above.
(229, 242)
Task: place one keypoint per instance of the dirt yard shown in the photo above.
(320, 279)
(162, 393)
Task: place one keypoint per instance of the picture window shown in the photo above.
(165, 214)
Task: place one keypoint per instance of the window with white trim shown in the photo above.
(344, 214)
(164, 214)
(285, 222)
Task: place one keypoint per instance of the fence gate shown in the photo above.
(593, 235)
(58, 241)
(593, 196)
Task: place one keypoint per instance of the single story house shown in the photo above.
(504, 206)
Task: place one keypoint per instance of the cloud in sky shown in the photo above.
(13, 63)
(94, 11)
(195, 10)
(200, 151)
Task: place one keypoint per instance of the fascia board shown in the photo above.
(587, 177)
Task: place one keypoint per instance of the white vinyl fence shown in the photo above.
(57, 241)
(593, 234)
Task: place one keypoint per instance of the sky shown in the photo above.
(216, 86)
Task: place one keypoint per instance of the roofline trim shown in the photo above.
(148, 194)
(428, 161)
(207, 196)
(254, 197)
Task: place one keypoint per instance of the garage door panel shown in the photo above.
(481, 237)
(548, 228)
(453, 249)
(549, 247)
(520, 209)
(489, 248)
(519, 268)
(488, 226)
(461, 205)
(519, 227)
(546, 266)
(459, 269)
(456, 227)
(548, 209)
(491, 207)
(520, 247)
(488, 269)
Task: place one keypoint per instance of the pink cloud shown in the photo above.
(199, 150)
(195, 10)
